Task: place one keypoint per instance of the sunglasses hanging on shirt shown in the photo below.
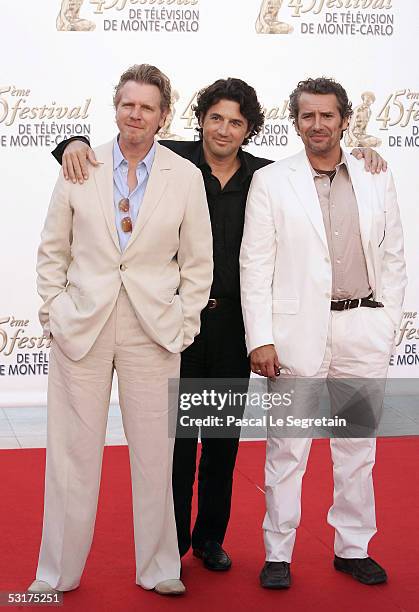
(126, 222)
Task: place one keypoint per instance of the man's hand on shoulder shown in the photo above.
(264, 361)
(373, 162)
(75, 158)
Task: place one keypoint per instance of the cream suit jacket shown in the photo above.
(286, 273)
(166, 267)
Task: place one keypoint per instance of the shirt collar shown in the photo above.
(245, 170)
(118, 157)
(343, 162)
(202, 163)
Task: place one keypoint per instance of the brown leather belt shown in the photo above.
(348, 304)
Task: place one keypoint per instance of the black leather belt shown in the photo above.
(348, 304)
(217, 302)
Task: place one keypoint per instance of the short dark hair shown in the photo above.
(237, 91)
(145, 73)
(321, 85)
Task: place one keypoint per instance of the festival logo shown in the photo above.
(275, 131)
(397, 120)
(406, 351)
(22, 353)
(326, 17)
(166, 133)
(37, 125)
(267, 21)
(69, 20)
(401, 112)
(164, 16)
(356, 134)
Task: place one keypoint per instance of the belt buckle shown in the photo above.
(212, 303)
(346, 304)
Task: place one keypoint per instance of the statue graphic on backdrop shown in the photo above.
(166, 132)
(69, 20)
(267, 21)
(356, 134)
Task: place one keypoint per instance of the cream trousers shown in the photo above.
(78, 400)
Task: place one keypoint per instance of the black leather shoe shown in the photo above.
(214, 557)
(275, 575)
(366, 570)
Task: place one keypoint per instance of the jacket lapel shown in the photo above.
(302, 182)
(362, 184)
(156, 186)
(104, 184)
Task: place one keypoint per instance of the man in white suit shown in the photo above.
(322, 284)
(124, 270)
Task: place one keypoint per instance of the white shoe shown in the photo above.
(39, 586)
(170, 587)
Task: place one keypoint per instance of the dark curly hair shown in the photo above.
(321, 85)
(237, 91)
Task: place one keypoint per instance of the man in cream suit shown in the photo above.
(124, 270)
(322, 281)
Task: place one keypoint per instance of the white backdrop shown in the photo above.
(56, 80)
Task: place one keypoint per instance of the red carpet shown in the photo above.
(108, 581)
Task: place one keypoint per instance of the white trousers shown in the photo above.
(359, 345)
(78, 400)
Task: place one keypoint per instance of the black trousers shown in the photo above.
(219, 351)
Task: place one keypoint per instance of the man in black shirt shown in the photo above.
(229, 115)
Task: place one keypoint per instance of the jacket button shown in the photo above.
(123, 267)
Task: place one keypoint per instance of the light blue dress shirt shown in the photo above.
(121, 189)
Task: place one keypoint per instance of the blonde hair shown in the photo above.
(145, 73)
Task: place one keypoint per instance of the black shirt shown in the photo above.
(226, 207)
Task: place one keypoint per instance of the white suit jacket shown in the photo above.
(166, 267)
(286, 273)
